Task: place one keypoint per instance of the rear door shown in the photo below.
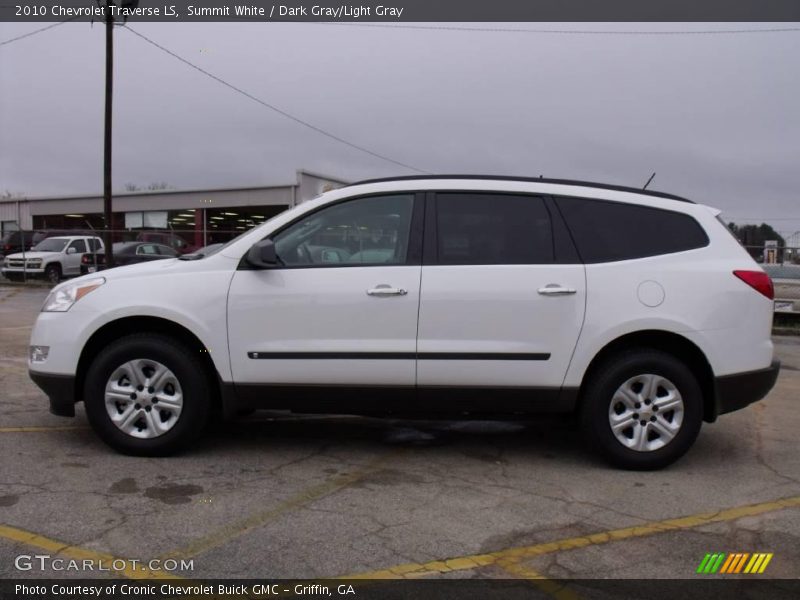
(502, 296)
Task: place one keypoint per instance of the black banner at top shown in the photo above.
(404, 11)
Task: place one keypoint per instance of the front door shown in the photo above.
(342, 308)
(72, 258)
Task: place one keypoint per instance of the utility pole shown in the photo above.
(107, 207)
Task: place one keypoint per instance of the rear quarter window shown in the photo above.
(612, 231)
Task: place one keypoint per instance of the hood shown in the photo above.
(30, 255)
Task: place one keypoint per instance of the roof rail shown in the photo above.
(602, 186)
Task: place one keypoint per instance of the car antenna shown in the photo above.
(649, 180)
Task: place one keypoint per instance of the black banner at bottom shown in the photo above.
(439, 589)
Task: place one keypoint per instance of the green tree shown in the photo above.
(753, 237)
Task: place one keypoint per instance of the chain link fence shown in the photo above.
(51, 255)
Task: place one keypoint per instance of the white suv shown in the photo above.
(428, 296)
(52, 258)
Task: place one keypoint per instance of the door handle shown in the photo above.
(553, 289)
(386, 290)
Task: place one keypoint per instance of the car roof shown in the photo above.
(571, 182)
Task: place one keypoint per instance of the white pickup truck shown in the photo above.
(52, 258)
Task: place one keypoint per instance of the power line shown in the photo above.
(35, 31)
(599, 32)
(276, 109)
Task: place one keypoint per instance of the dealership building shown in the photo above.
(199, 217)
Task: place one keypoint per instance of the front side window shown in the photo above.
(365, 231)
(79, 245)
(492, 229)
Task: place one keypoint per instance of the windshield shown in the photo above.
(51, 245)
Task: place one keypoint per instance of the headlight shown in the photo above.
(35, 262)
(62, 298)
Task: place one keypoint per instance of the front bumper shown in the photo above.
(60, 389)
(734, 392)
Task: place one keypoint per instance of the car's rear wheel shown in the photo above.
(53, 273)
(147, 395)
(642, 409)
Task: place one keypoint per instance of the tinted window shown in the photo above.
(372, 230)
(610, 231)
(492, 229)
(94, 244)
(165, 250)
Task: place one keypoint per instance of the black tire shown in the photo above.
(190, 372)
(52, 273)
(596, 404)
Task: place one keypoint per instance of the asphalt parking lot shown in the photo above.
(318, 497)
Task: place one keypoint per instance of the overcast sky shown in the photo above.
(717, 116)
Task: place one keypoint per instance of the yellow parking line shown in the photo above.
(472, 561)
(77, 553)
(234, 530)
(41, 429)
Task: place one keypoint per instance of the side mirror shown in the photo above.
(71, 250)
(263, 255)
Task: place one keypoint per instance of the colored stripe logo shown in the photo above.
(735, 562)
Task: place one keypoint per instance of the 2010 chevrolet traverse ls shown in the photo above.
(428, 296)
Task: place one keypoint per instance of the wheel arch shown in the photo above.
(121, 327)
(666, 341)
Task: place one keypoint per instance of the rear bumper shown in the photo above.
(734, 392)
(60, 389)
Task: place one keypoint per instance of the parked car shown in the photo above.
(126, 253)
(17, 241)
(786, 279)
(433, 297)
(167, 238)
(52, 258)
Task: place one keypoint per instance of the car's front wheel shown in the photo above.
(147, 395)
(642, 409)
(53, 273)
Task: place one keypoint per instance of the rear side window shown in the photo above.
(611, 231)
(492, 229)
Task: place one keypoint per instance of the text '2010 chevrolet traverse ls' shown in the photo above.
(432, 296)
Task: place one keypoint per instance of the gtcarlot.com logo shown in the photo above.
(734, 562)
(42, 562)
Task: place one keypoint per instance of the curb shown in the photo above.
(19, 284)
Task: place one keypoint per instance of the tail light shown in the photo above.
(759, 281)
(86, 259)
